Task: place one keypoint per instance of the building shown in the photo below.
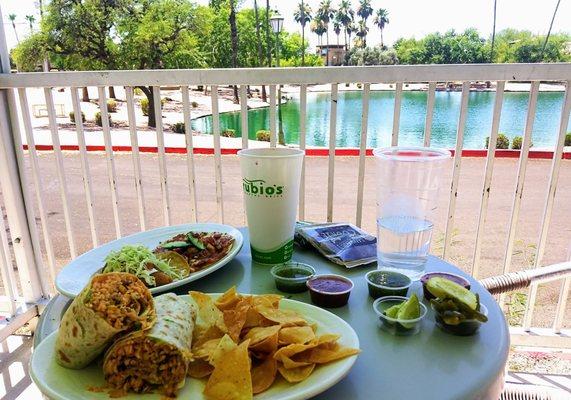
(336, 54)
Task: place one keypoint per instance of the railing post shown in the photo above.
(14, 190)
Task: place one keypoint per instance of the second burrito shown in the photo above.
(157, 359)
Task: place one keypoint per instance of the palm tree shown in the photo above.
(260, 52)
(351, 28)
(318, 28)
(302, 15)
(268, 43)
(31, 19)
(12, 18)
(493, 34)
(549, 31)
(345, 15)
(364, 11)
(325, 14)
(361, 33)
(337, 29)
(381, 20)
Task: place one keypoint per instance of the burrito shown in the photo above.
(156, 359)
(110, 304)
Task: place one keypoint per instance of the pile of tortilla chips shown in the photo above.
(241, 343)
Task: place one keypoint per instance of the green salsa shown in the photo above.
(387, 283)
(389, 279)
(293, 273)
(292, 277)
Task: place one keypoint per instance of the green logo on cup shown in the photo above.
(259, 187)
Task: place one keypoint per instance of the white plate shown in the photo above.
(67, 384)
(75, 275)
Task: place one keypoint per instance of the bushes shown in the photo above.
(228, 133)
(568, 139)
(502, 142)
(194, 104)
(517, 142)
(98, 119)
(263, 135)
(111, 106)
(72, 116)
(178, 127)
(138, 92)
(145, 105)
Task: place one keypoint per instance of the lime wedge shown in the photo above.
(410, 309)
(392, 312)
(446, 289)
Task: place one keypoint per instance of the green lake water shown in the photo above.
(444, 123)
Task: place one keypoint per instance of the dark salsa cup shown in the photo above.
(329, 290)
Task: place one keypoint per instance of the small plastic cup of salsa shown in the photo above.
(396, 326)
(291, 277)
(329, 290)
(446, 275)
(384, 283)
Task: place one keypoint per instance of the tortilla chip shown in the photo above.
(231, 379)
(264, 374)
(294, 375)
(208, 314)
(206, 349)
(326, 353)
(202, 335)
(254, 319)
(268, 345)
(296, 334)
(286, 354)
(225, 346)
(228, 300)
(266, 301)
(234, 319)
(283, 317)
(259, 334)
(199, 369)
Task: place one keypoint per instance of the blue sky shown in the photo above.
(407, 17)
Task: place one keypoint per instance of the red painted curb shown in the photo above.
(319, 152)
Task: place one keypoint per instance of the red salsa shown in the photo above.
(329, 284)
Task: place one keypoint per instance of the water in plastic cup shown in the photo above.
(270, 182)
(408, 181)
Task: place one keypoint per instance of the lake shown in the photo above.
(444, 123)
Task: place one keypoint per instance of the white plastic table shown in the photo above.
(431, 365)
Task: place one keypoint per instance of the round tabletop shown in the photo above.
(429, 365)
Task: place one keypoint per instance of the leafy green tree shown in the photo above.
(30, 53)
(259, 46)
(156, 36)
(292, 47)
(377, 55)
(302, 15)
(381, 20)
(325, 13)
(12, 18)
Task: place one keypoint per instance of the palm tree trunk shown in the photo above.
(84, 94)
(493, 34)
(15, 32)
(327, 39)
(112, 92)
(260, 53)
(302, 45)
(382, 43)
(234, 38)
(549, 31)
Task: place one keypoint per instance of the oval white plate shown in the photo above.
(67, 384)
(75, 275)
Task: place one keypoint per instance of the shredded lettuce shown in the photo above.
(134, 259)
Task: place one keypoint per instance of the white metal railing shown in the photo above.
(34, 284)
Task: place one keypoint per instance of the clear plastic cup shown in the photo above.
(408, 182)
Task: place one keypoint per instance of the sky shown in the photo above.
(407, 18)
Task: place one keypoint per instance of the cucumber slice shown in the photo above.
(195, 242)
(446, 289)
(174, 245)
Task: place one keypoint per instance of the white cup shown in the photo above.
(270, 182)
